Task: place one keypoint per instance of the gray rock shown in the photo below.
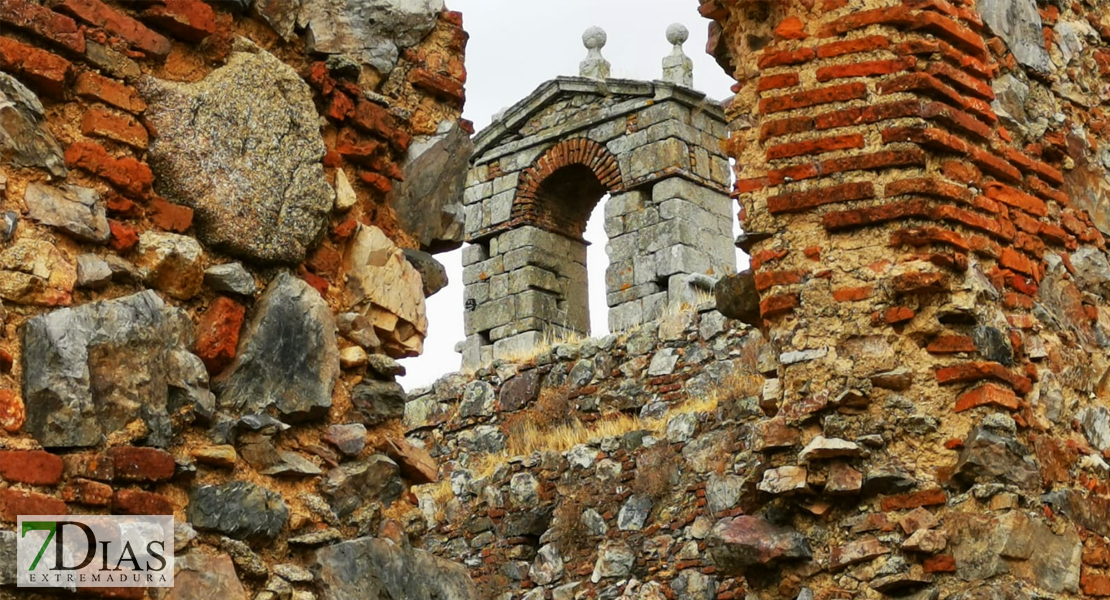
(744, 541)
(682, 427)
(231, 277)
(990, 456)
(432, 272)
(594, 522)
(634, 513)
(737, 297)
(478, 400)
(692, 584)
(384, 367)
(7, 228)
(74, 209)
(293, 573)
(7, 557)
(524, 490)
(377, 569)
(92, 271)
(614, 559)
(92, 370)
(240, 510)
(376, 402)
(428, 203)
(1096, 426)
(242, 147)
(548, 566)
(663, 362)
(250, 563)
(1092, 269)
(183, 536)
(1019, 24)
(287, 358)
(24, 142)
(520, 391)
(348, 439)
(353, 485)
(291, 464)
(993, 345)
(722, 492)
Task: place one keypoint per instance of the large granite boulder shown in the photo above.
(387, 290)
(92, 371)
(428, 203)
(374, 31)
(23, 140)
(287, 359)
(376, 569)
(242, 148)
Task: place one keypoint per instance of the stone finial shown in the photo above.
(595, 66)
(678, 68)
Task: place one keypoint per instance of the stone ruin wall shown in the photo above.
(213, 216)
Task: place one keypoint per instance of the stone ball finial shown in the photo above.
(594, 38)
(677, 34)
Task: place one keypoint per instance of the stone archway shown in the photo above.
(538, 174)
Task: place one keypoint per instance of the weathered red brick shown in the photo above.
(35, 467)
(118, 127)
(911, 157)
(863, 44)
(773, 306)
(961, 79)
(43, 22)
(815, 146)
(218, 333)
(14, 503)
(951, 344)
(898, 314)
(765, 280)
(441, 85)
(941, 563)
(775, 82)
(109, 91)
(896, 15)
(826, 95)
(87, 491)
(135, 463)
(863, 115)
(874, 215)
(919, 282)
(783, 127)
(376, 181)
(126, 174)
(909, 500)
(927, 84)
(190, 20)
(798, 201)
(1016, 198)
(793, 173)
(138, 502)
(928, 186)
(169, 216)
(98, 14)
(124, 237)
(43, 70)
(988, 394)
(978, 371)
(853, 294)
(1094, 584)
(791, 28)
(871, 68)
(778, 58)
(1012, 259)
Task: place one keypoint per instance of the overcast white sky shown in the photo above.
(515, 45)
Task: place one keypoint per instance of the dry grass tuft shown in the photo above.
(656, 471)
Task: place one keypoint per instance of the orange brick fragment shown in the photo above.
(988, 394)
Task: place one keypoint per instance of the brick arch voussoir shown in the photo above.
(576, 151)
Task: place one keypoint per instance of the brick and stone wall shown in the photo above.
(208, 262)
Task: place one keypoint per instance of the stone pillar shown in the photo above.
(914, 257)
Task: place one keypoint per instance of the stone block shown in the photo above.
(626, 315)
(499, 286)
(534, 278)
(520, 326)
(622, 247)
(500, 207)
(477, 291)
(626, 203)
(614, 226)
(702, 166)
(642, 219)
(663, 111)
(477, 175)
(608, 131)
(670, 233)
(482, 271)
(472, 219)
(633, 293)
(506, 183)
(644, 270)
(652, 159)
(618, 275)
(655, 305)
(477, 192)
(474, 253)
(516, 346)
(489, 315)
(681, 259)
(720, 170)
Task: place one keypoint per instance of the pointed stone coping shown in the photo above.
(495, 141)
